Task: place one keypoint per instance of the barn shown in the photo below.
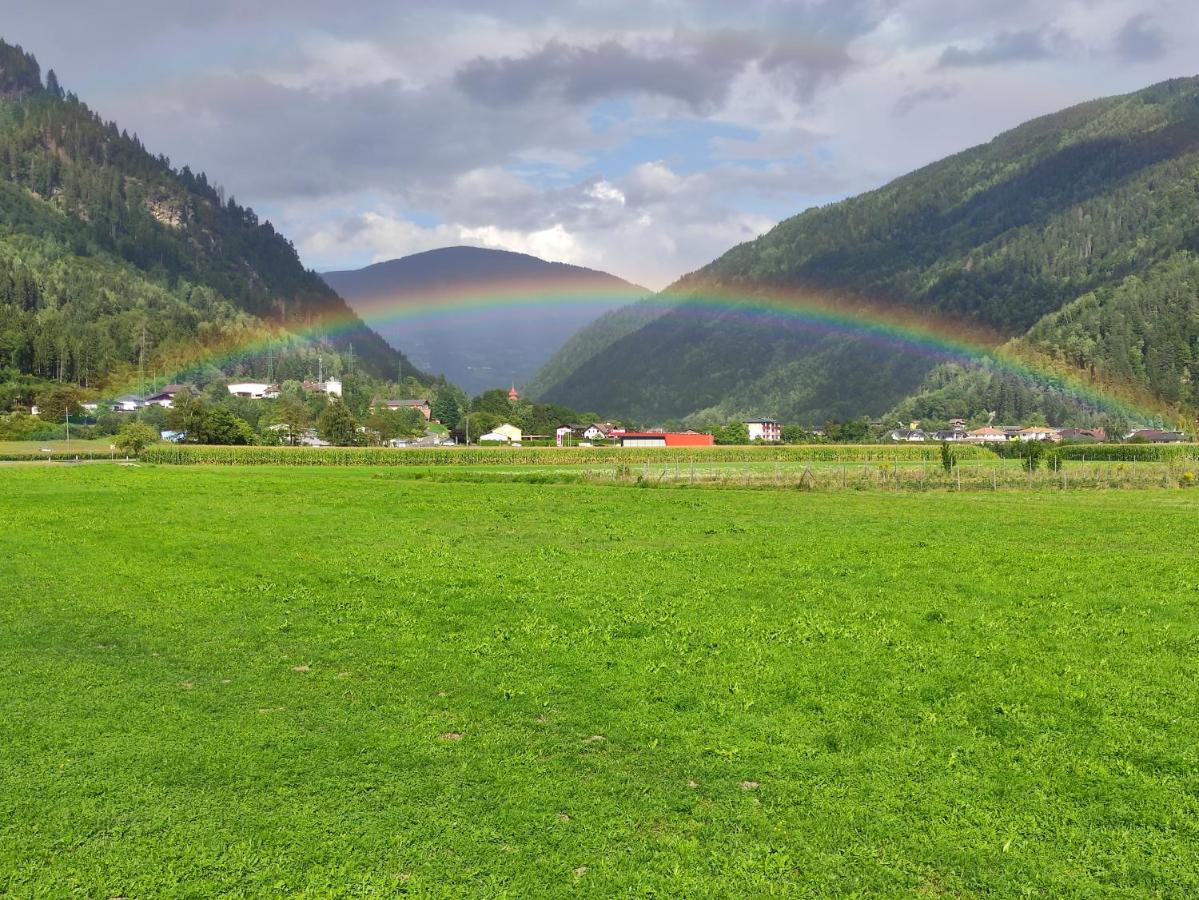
(665, 439)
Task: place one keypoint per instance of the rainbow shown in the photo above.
(888, 326)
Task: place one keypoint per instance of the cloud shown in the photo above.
(641, 136)
(281, 141)
(649, 225)
(1027, 45)
(918, 97)
(1140, 41)
(697, 70)
(696, 76)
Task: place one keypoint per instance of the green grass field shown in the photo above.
(305, 681)
(58, 448)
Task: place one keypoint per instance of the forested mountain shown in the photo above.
(483, 318)
(588, 342)
(109, 257)
(1074, 233)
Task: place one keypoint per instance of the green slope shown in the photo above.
(592, 340)
(1001, 235)
(101, 242)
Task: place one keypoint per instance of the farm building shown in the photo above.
(1084, 435)
(665, 439)
(764, 430)
(1156, 436)
(503, 434)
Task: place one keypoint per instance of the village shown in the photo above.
(412, 422)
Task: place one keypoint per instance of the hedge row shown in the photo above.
(451, 456)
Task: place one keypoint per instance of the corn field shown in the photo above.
(184, 454)
(1127, 452)
(977, 475)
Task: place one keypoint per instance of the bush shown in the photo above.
(949, 459)
(135, 437)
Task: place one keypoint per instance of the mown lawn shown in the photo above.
(315, 682)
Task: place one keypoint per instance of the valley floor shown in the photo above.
(330, 681)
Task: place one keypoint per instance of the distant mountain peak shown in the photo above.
(484, 318)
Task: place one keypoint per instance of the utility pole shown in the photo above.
(141, 371)
(320, 369)
(68, 430)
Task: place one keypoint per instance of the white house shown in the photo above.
(255, 390)
(494, 437)
(166, 397)
(764, 430)
(1039, 433)
(599, 431)
(127, 403)
(987, 435)
(908, 435)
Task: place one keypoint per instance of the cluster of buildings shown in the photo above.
(589, 435)
(253, 390)
(1002, 434)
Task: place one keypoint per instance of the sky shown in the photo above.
(642, 138)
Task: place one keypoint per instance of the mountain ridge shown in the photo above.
(1000, 235)
(112, 260)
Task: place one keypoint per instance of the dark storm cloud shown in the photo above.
(1027, 45)
(1140, 41)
